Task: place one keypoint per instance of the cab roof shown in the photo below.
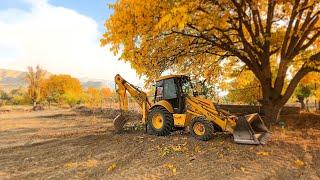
(170, 76)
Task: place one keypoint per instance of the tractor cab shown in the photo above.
(173, 89)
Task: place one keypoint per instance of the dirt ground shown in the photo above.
(65, 144)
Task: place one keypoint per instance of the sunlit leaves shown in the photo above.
(177, 17)
(63, 89)
(244, 88)
(194, 37)
(309, 85)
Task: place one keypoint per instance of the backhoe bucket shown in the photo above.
(250, 129)
(119, 122)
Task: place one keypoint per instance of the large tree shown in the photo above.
(157, 35)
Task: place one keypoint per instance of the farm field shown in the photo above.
(62, 143)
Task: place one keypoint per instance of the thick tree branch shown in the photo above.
(286, 39)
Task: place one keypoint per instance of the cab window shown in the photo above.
(159, 91)
(169, 89)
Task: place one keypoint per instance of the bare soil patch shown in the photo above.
(60, 144)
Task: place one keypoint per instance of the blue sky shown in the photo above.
(62, 36)
(96, 9)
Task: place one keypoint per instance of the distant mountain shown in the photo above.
(97, 84)
(11, 79)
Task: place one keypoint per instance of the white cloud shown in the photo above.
(60, 40)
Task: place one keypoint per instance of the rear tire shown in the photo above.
(201, 128)
(160, 121)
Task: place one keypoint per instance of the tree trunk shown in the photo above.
(271, 113)
(301, 101)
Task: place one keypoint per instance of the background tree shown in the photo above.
(4, 97)
(309, 87)
(19, 96)
(106, 94)
(63, 89)
(93, 98)
(302, 93)
(35, 80)
(162, 35)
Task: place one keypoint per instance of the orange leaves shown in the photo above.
(106, 92)
(96, 97)
(35, 80)
(157, 36)
(112, 167)
(177, 17)
(299, 163)
(311, 78)
(93, 97)
(179, 148)
(63, 88)
(311, 82)
(62, 83)
(263, 153)
(171, 167)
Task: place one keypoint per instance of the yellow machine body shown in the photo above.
(248, 129)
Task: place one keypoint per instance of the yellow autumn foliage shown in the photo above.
(273, 39)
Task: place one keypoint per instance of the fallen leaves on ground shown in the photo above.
(179, 148)
(197, 149)
(299, 163)
(263, 153)
(112, 167)
(171, 167)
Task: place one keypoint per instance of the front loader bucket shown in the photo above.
(250, 129)
(119, 122)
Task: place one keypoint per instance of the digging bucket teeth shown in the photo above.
(119, 122)
(250, 129)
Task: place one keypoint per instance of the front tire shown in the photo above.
(201, 128)
(160, 121)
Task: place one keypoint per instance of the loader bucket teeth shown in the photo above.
(250, 129)
(119, 122)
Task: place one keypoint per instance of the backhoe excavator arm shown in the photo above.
(140, 97)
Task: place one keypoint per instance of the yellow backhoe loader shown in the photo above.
(176, 105)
